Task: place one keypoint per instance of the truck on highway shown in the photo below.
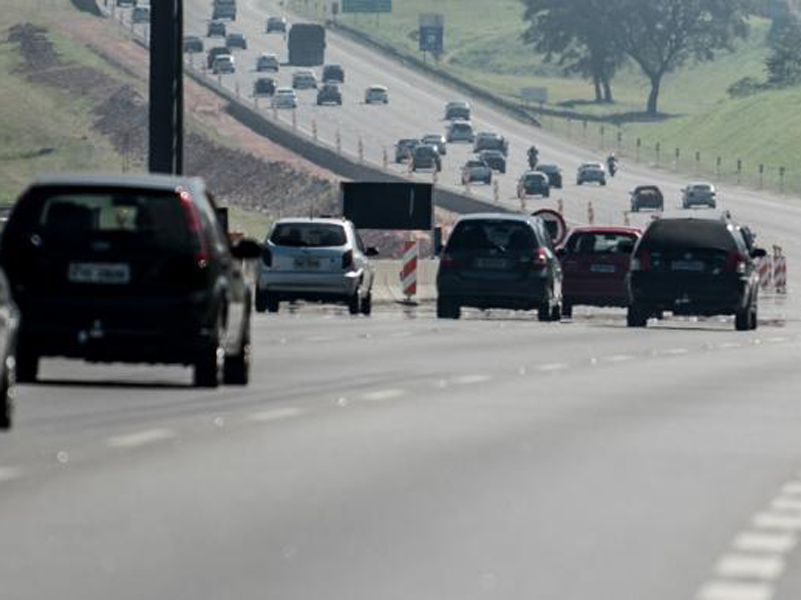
(224, 9)
(306, 45)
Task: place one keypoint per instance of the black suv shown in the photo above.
(128, 269)
(193, 44)
(647, 196)
(213, 53)
(329, 94)
(692, 266)
(264, 86)
(333, 74)
(404, 149)
(499, 261)
(425, 156)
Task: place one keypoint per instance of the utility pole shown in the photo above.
(166, 152)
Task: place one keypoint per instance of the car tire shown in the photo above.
(635, 208)
(448, 309)
(208, 367)
(547, 194)
(556, 313)
(354, 304)
(603, 182)
(27, 369)
(236, 368)
(261, 301)
(745, 318)
(636, 316)
(579, 182)
(544, 313)
(366, 306)
(272, 303)
(6, 402)
(567, 310)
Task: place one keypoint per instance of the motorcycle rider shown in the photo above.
(533, 157)
(611, 163)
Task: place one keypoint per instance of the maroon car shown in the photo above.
(595, 262)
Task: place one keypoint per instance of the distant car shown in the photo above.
(304, 80)
(329, 93)
(236, 40)
(460, 131)
(404, 149)
(9, 325)
(134, 269)
(224, 65)
(276, 25)
(426, 157)
(533, 183)
(694, 266)
(490, 141)
(126, 3)
(224, 10)
(591, 172)
(647, 196)
(553, 172)
(595, 264)
(495, 159)
(499, 261)
(476, 170)
(140, 15)
(214, 53)
(438, 141)
(376, 94)
(316, 260)
(333, 74)
(264, 86)
(267, 62)
(699, 194)
(216, 29)
(285, 97)
(193, 44)
(457, 110)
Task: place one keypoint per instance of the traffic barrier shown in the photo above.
(779, 270)
(435, 177)
(338, 141)
(385, 158)
(590, 213)
(294, 119)
(496, 191)
(560, 206)
(626, 218)
(314, 129)
(765, 270)
(361, 149)
(408, 274)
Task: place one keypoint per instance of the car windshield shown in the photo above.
(673, 234)
(601, 243)
(308, 235)
(501, 235)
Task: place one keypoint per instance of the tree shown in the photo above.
(784, 63)
(572, 31)
(660, 35)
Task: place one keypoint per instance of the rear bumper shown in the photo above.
(310, 286)
(524, 294)
(684, 297)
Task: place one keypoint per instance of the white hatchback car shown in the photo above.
(316, 260)
(284, 97)
(377, 94)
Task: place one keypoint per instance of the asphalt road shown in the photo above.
(403, 457)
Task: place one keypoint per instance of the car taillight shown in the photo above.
(539, 259)
(347, 260)
(267, 257)
(641, 261)
(195, 229)
(735, 262)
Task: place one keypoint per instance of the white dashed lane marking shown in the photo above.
(10, 473)
(675, 351)
(777, 520)
(471, 379)
(382, 395)
(618, 358)
(550, 368)
(728, 590)
(140, 438)
(785, 503)
(276, 414)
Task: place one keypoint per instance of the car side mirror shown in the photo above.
(561, 252)
(246, 249)
(758, 253)
(371, 252)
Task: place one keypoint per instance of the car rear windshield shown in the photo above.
(501, 235)
(601, 243)
(308, 235)
(151, 220)
(674, 234)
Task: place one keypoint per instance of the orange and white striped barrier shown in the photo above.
(779, 270)
(560, 206)
(408, 274)
(590, 214)
(765, 270)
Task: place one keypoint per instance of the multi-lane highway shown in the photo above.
(402, 457)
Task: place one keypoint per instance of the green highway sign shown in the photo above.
(366, 6)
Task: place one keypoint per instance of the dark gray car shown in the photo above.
(499, 261)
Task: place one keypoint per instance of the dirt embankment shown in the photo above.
(121, 114)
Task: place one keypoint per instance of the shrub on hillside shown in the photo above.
(747, 86)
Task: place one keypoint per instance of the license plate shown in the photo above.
(688, 265)
(307, 263)
(102, 273)
(492, 263)
(602, 268)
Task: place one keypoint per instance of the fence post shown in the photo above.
(496, 191)
(658, 153)
(639, 144)
(603, 132)
(361, 149)
(761, 175)
(294, 119)
(739, 170)
(620, 139)
(781, 179)
(338, 141)
(590, 213)
(584, 128)
(678, 156)
(314, 129)
(385, 158)
(718, 160)
(697, 162)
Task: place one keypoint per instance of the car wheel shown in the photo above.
(567, 310)
(547, 194)
(754, 315)
(208, 366)
(448, 309)
(6, 402)
(236, 368)
(579, 182)
(603, 182)
(354, 303)
(367, 305)
(636, 316)
(272, 303)
(556, 313)
(745, 318)
(544, 313)
(27, 366)
(261, 301)
(635, 208)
